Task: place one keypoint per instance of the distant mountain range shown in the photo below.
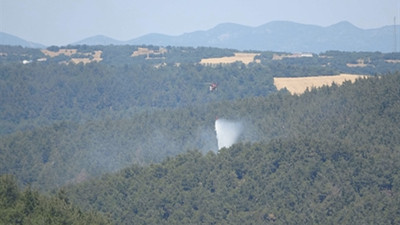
(8, 39)
(273, 36)
(99, 40)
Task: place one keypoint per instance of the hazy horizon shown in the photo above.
(64, 22)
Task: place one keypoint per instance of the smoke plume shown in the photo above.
(227, 132)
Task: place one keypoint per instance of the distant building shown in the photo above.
(294, 55)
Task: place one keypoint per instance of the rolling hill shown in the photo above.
(335, 160)
(8, 39)
(98, 40)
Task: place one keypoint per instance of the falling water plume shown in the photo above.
(227, 132)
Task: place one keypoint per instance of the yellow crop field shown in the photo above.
(67, 52)
(96, 56)
(297, 85)
(245, 58)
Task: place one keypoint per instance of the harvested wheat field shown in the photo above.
(91, 56)
(245, 58)
(96, 57)
(297, 85)
(67, 52)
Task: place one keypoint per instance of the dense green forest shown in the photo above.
(328, 156)
(30, 207)
(52, 89)
(40, 94)
(335, 160)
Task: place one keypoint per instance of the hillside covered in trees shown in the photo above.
(334, 160)
(31, 207)
(80, 83)
(63, 122)
(328, 156)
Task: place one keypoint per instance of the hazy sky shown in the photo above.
(60, 22)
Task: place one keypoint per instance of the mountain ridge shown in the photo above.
(284, 36)
(9, 39)
(98, 40)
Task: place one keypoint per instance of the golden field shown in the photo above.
(245, 58)
(297, 85)
(91, 57)
(67, 52)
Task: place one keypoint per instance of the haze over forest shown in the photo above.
(217, 118)
(118, 134)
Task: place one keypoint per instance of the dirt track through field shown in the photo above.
(297, 85)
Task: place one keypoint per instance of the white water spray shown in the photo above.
(227, 132)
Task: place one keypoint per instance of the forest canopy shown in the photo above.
(121, 136)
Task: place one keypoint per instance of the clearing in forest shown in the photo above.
(67, 52)
(148, 52)
(298, 85)
(84, 58)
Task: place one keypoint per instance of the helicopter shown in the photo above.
(213, 87)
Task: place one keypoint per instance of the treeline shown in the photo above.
(333, 62)
(330, 156)
(117, 55)
(30, 207)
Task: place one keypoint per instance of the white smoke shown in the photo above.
(227, 132)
